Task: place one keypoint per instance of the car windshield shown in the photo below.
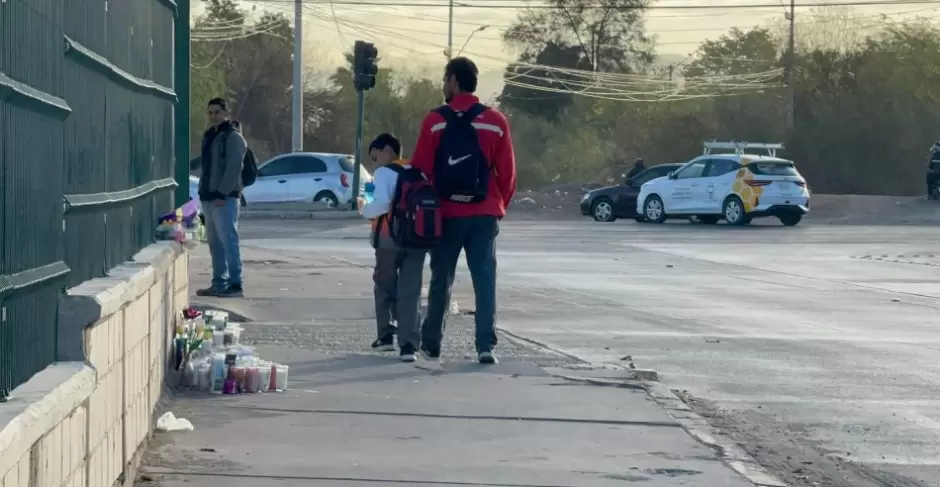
(774, 168)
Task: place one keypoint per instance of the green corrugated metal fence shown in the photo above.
(86, 155)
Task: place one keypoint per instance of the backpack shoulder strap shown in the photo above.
(395, 167)
(475, 111)
(445, 111)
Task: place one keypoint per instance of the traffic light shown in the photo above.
(365, 56)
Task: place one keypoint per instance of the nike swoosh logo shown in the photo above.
(452, 161)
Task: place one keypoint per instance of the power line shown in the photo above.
(489, 4)
(352, 23)
(425, 18)
(716, 11)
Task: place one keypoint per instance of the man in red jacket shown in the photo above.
(465, 150)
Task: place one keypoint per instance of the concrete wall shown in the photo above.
(83, 422)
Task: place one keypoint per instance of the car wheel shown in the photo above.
(653, 209)
(603, 210)
(790, 219)
(734, 213)
(326, 197)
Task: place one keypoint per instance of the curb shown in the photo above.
(300, 215)
(694, 425)
(623, 384)
(698, 428)
(638, 375)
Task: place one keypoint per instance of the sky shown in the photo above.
(413, 39)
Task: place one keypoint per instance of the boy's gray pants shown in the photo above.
(398, 276)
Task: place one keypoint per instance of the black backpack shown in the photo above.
(249, 163)
(249, 168)
(415, 220)
(461, 171)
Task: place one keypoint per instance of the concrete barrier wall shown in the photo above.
(84, 421)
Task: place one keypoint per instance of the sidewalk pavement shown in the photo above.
(361, 420)
(353, 418)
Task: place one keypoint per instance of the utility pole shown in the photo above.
(450, 30)
(182, 57)
(791, 65)
(297, 125)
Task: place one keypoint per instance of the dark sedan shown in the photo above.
(613, 202)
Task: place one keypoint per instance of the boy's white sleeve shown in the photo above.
(384, 180)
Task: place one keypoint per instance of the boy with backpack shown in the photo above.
(466, 150)
(406, 222)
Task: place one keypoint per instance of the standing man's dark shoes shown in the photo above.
(208, 292)
(233, 291)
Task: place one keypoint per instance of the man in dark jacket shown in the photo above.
(220, 187)
(933, 169)
(638, 167)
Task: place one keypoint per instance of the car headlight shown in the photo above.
(585, 197)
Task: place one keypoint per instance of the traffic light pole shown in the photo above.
(360, 99)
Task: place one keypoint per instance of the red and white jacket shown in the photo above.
(496, 143)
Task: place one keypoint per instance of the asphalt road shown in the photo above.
(815, 347)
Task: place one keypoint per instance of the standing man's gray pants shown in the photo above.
(398, 276)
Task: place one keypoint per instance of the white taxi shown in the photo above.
(734, 187)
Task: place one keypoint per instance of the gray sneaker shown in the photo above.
(407, 353)
(383, 345)
(487, 358)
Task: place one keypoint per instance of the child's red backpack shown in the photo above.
(415, 220)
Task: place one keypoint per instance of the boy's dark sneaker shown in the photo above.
(431, 354)
(233, 291)
(407, 353)
(383, 345)
(210, 291)
(487, 358)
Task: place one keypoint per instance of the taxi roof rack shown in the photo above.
(740, 147)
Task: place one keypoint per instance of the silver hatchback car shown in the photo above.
(306, 177)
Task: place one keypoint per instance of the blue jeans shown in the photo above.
(476, 236)
(222, 234)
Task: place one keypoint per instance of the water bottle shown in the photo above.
(369, 193)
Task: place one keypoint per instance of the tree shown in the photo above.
(207, 82)
(833, 28)
(255, 57)
(581, 35)
(737, 52)
(608, 33)
(550, 94)
(396, 104)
